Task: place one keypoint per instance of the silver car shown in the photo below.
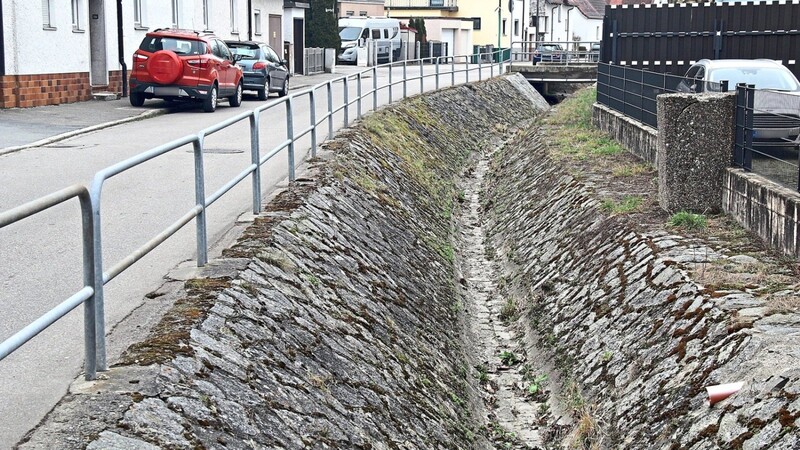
(776, 103)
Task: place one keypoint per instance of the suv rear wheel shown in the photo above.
(236, 98)
(210, 102)
(137, 99)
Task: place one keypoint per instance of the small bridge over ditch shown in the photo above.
(556, 80)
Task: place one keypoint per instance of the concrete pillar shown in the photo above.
(695, 141)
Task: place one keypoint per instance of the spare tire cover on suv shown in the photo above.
(164, 66)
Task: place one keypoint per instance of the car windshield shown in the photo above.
(349, 33)
(247, 51)
(180, 46)
(762, 77)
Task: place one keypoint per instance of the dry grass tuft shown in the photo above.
(587, 434)
(784, 304)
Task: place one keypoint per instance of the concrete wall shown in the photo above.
(770, 210)
(638, 138)
(757, 204)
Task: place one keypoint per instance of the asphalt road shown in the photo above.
(40, 258)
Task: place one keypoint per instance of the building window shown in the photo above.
(206, 15)
(362, 13)
(516, 27)
(505, 33)
(76, 15)
(350, 13)
(138, 14)
(175, 17)
(257, 21)
(234, 16)
(476, 23)
(47, 15)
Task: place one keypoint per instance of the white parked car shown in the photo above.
(776, 104)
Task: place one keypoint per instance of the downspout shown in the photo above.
(569, 36)
(120, 49)
(552, 20)
(249, 20)
(2, 44)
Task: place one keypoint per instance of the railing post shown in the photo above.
(98, 283)
(375, 87)
(437, 73)
(467, 72)
(346, 101)
(741, 104)
(313, 106)
(200, 200)
(405, 79)
(491, 67)
(391, 86)
(255, 158)
(480, 66)
(290, 136)
(89, 306)
(748, 150)
(452, 71)
(421, 78)
(330, 109)
(358, 102)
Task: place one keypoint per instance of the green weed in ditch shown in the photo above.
(685, 219)
(626, 205)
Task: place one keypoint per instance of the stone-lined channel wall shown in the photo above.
(636, 338)
(334, 322)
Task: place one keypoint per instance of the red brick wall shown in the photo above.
(25, 91)
(114, 81)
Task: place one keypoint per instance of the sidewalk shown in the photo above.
(22, 128)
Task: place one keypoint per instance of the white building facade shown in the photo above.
(59, 51)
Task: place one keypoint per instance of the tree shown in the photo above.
(322, 26)
(419, 25)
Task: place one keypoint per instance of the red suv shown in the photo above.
(179, 64)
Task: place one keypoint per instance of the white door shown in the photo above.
(448, 36)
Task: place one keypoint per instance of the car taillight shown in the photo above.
(199, 63)
(259, 65)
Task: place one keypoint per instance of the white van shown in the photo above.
(356, 31)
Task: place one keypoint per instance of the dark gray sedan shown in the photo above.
(263, 70)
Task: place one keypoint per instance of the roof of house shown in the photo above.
(592, 9)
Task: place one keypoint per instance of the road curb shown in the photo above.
(69, 134)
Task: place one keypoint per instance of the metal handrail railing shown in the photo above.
(91, 295)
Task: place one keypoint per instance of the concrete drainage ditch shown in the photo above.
(355, 313)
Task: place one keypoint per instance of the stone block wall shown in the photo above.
(636, 337)
(340, 327)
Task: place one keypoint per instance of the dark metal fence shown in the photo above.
(767, 122)
(767, 127)
(668, 38)
(633, 91)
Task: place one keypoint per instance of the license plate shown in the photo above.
(166, 90)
